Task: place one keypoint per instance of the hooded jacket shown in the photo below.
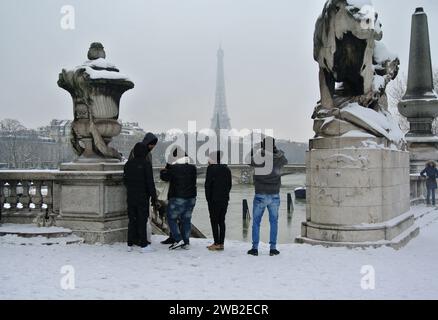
(268, 183)
(181, 176)
(149, 138)
(138, 178)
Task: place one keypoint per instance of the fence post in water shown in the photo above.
(245, 210)
(290, 204)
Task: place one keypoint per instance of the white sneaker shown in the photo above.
(176, 245)
(147, 249)
(185, 247)
(130, 249)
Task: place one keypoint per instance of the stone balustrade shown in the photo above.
(27, 194)
(418, 189)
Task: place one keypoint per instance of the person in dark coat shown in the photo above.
(431, 174)
(181, 175)
(139, 181)
(150, 141)
(218, 185)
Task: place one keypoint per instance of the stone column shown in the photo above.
(420, 103)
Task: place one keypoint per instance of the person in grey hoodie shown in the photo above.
(267, 163)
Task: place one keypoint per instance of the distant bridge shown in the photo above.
(243, 174)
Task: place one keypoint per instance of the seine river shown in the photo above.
(289, 226)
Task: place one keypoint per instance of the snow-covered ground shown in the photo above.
(300, 272)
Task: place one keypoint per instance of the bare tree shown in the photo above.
(10, 129)
(397, 90)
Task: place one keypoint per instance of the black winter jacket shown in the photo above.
(138, 178)
(182, 179)
(218, 184)
(432, 175)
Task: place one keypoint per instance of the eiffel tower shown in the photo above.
(220, 119)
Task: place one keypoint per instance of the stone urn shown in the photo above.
(96, 88)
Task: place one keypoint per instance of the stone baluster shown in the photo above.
(2, 199)
(12, 198)
(2, 194)
(37, 199)
(48, 199)
(24, 199)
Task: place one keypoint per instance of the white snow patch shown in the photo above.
(357, 134)
(359, 3)
(382, 54)
(30, 228)
(378, 83)
(104, 74)
(382, 122)
(99, 63)
(300, 272)
(372, 144)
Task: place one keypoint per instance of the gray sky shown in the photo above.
(168, 48)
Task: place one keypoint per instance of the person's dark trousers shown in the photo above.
(218, 212)
(431, 192)
(138, 216)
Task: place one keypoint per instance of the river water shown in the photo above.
(289, 226)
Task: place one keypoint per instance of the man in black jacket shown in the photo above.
(182, 197)
(218, 185)
(150, 141)
(139, 180)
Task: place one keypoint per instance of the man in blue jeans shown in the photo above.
(181, 175)
(267, 163)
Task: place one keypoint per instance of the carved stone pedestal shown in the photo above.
(93, 202)
(357, 197)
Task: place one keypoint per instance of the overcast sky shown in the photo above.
(168, 48)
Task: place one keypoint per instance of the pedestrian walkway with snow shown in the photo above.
(300, 272)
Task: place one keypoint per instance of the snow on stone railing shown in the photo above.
(25, 195)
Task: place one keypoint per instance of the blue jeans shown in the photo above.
(261, 201)
(180, 209)
(431, 191)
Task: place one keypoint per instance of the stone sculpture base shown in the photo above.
(357, 197)
(93, 202)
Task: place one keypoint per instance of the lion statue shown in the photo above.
(354, 66)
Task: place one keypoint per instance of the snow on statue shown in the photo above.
(355, 69)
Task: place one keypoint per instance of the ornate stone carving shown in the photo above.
(354, 70)
(96, 88)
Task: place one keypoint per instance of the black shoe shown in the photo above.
(168, 241)
(274, 252)
(253, 252)
(177, 245)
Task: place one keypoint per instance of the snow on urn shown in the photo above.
(96, 88)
